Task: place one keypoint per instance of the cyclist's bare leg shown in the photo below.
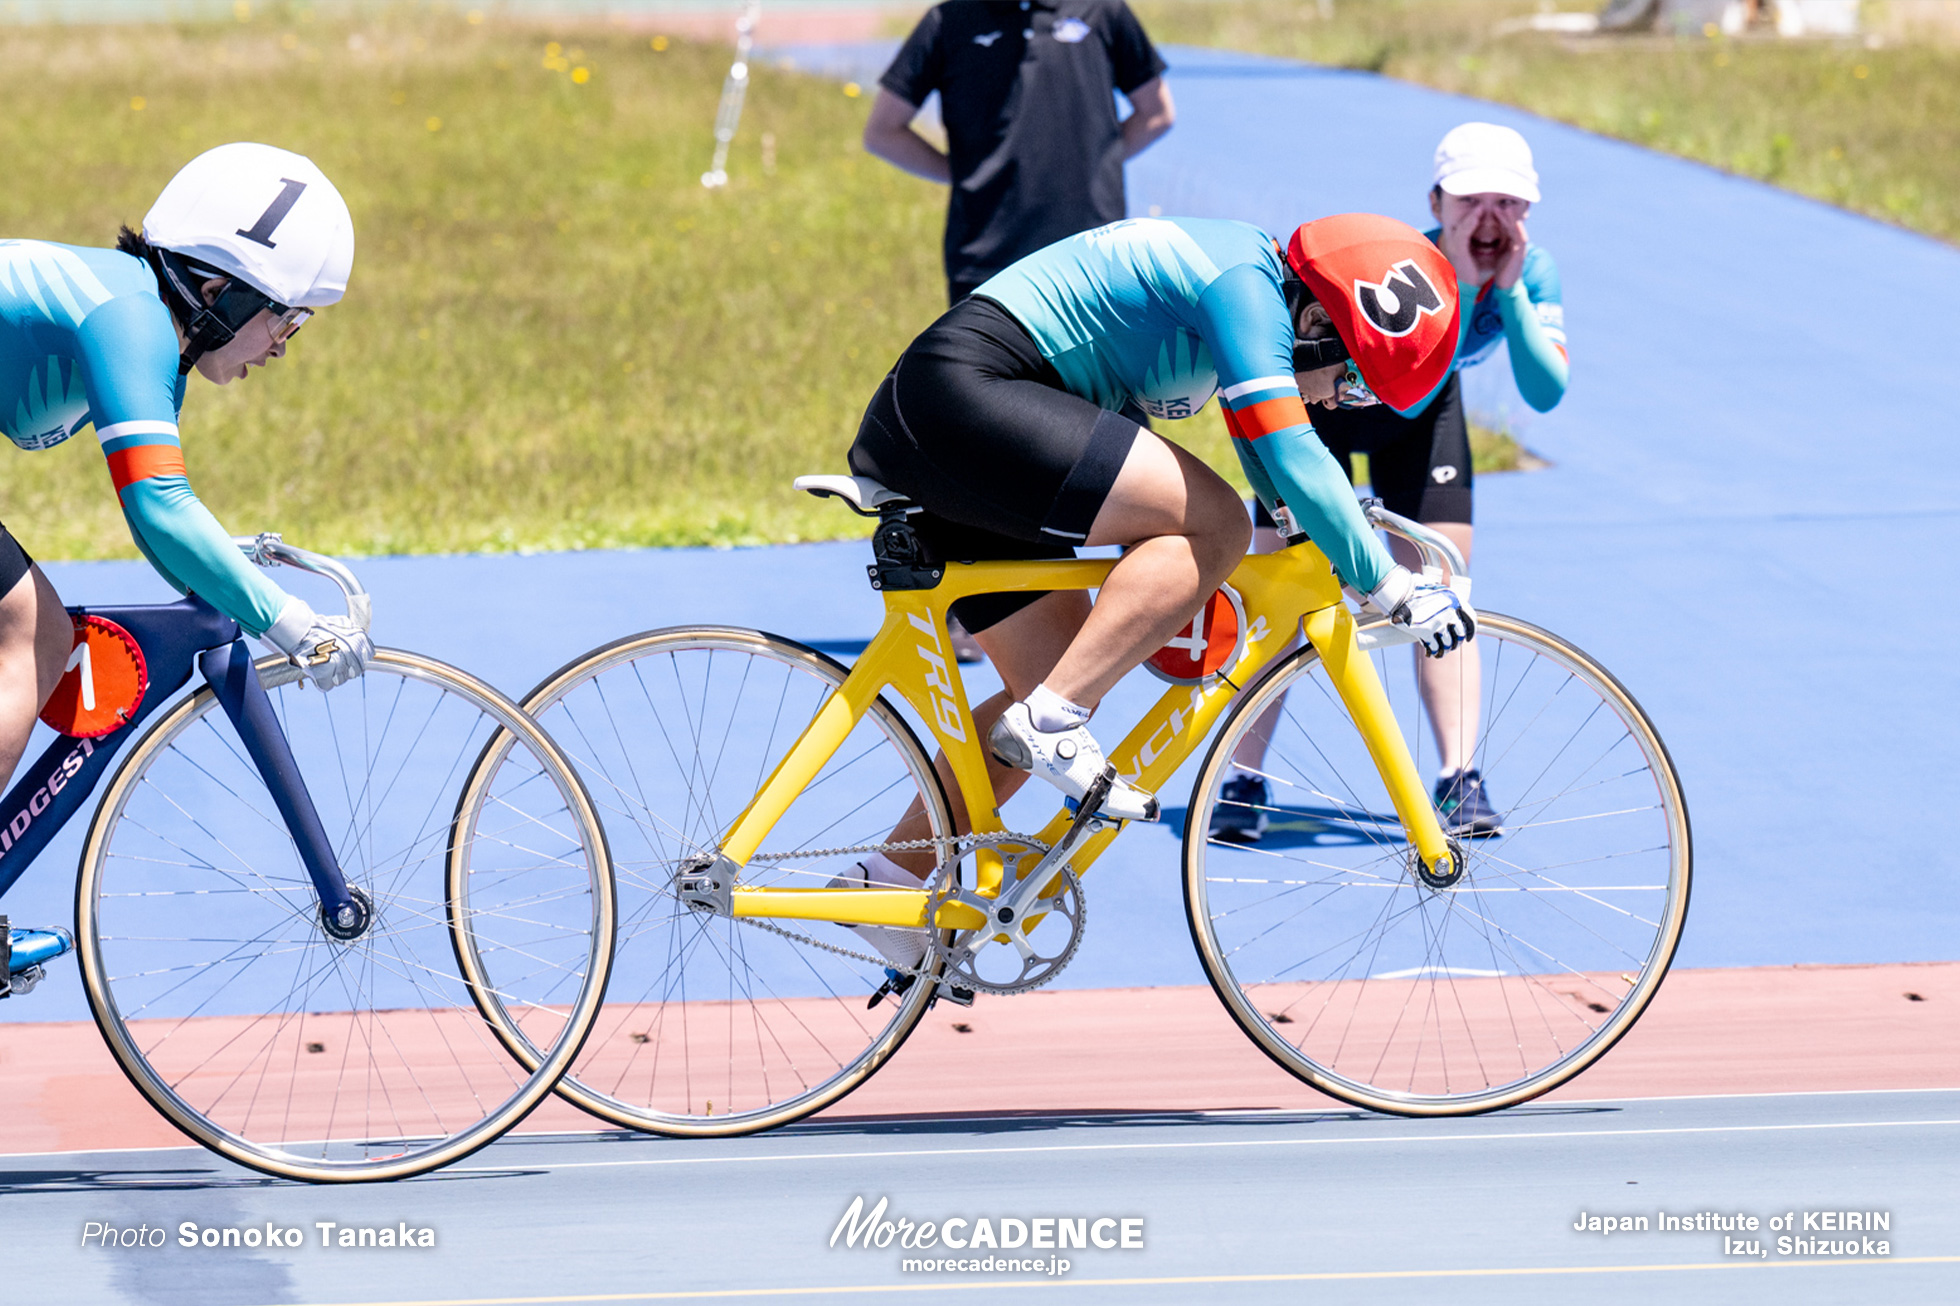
(1023, 648)
(1185, 529)
(36, 636)
(1452, 687)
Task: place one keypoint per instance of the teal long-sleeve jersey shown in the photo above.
(86, 340)
(1169, 312)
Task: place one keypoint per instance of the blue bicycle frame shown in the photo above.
(177, 638)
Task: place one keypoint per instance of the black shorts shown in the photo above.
(973, 425)
(1419, 467)
(14, 561)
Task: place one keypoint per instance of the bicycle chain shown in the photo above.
(962, 844)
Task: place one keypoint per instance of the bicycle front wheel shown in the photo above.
(1345, 967)
(261, 1035)
(716, 1025)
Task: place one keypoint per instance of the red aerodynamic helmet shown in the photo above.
(1392, 297)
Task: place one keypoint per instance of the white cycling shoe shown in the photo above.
(1071, 760)
(904, 949)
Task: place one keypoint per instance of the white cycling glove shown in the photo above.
(1439, 619)
(330, 650)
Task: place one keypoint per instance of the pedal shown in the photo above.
(23, 965)
(957, 996)
(1099, 791)
(895, 985)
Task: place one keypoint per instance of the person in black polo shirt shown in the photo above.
(1035, 153)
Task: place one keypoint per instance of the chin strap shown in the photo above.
(205, 327)
(1309, 355)
(1326, 351)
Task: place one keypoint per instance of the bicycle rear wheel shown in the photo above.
(1349, 971)
(713, 1025)
(269, 1041)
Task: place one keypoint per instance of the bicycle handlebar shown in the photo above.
(267, 549)
(1436, 549)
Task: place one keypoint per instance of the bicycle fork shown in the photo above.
(1331, 630)
(345, 912)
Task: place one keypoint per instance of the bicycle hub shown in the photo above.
(1446, 870)
(352, 920)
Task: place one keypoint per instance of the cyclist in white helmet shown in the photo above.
(244, 244)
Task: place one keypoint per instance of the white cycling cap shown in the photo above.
(262, 214)
(1481, 158)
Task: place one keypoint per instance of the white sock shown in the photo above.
(1051, 712)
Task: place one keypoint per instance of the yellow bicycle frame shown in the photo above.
(912, 654)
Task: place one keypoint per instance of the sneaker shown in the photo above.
(1240, 813)
(1071, 760)
(1465, 808)
(903, 948)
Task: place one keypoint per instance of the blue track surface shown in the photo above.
(1751, 506)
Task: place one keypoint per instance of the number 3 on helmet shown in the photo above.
(1392, 298)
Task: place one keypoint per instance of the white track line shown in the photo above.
(710, 1294)
(1199, 1144)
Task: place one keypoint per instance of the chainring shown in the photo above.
(955, 846)
(1004, 958)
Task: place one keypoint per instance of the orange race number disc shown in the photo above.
(104, 681)
(1209, 645)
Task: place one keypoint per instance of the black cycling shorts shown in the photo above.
(14, 562)
(973, 425)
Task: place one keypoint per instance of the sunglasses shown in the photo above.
(286, 322)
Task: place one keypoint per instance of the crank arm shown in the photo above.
(1017, 901)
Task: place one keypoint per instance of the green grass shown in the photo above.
(1873, 130)
(554, 336)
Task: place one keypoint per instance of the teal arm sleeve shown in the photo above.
(1293, 466)
(185, 543)
(1537, 361)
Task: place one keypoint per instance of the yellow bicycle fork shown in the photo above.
(913, 655)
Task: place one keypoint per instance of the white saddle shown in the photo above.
(860, 492)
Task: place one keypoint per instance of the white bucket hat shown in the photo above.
(1481, 158)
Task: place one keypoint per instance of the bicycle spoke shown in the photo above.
(316, 1057)
(1490, 988)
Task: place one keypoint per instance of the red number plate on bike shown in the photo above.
(104, 681)
(1209, 645)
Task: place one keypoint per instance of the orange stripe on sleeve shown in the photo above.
(1271, 415)
(141, 462)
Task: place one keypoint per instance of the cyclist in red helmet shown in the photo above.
(1001, 420)
(1419, 464)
